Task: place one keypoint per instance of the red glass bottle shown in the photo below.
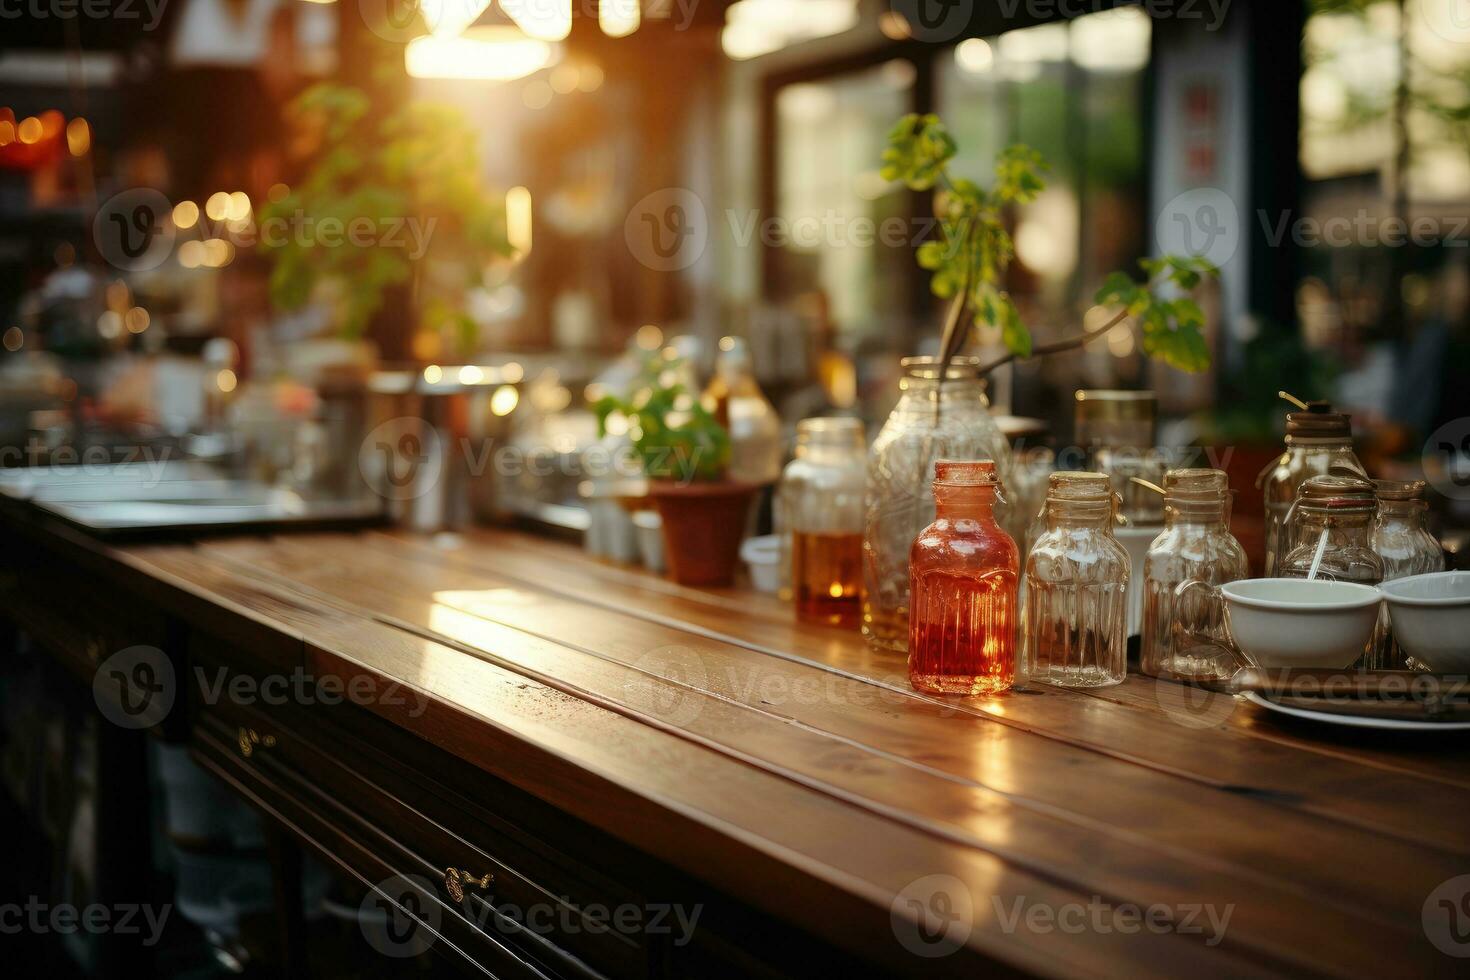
(963, 576)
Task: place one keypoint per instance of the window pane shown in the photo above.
(832, 205)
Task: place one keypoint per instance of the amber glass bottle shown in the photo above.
(963, 575)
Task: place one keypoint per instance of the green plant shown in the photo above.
(411, 177)
(969, 258)
(676, 437)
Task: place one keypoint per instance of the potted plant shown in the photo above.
(685, 453)
(389, 206)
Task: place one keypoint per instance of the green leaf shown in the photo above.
(931, 255)
(1119, 289)
(918, 149)
(1172, 333)
(973, 249)
(1018, 174)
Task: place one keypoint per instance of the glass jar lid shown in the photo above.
(834, 432)
(1111, 405)
(1196, 492)
(961, 368)
(1337, 494)
(1399, 489)
(1319, 421)
(1078, 485)
(966, 473)
(1196, 483)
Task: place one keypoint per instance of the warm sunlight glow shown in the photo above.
(757, 27)
(618, 18)
(548, 20)
(488, 54)
(186, 214)
(449, 18)
(239, 206)
(78, 137)
(973, 55)
(218, 206)
(504, 401)
(518, 219)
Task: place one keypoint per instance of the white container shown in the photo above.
(610, 531)
(1431, 618)
(762, 556)
(650, 539)
(1136, 541)
(1290, 622)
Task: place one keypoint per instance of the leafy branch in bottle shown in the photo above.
(972, 251)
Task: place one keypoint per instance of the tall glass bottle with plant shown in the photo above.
(942, 410)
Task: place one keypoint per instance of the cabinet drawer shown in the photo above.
(489, 883)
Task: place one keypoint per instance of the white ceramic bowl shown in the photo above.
(763, 557)
(1431, 619)
(1291, 622)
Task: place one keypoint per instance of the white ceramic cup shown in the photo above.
(1292, 622)
(1431, 618)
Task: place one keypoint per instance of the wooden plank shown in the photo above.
(1019, 790)
(1367, 788)
(769, 840)
(1081, 821)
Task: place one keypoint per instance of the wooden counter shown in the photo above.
(597, 738)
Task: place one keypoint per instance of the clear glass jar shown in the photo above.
(1184, 637)
(1114, 419)
(963, 571)
(1319, 442)
(1333, 521)
(1077, 588)
(1402, 540)
(819, 515)
(931, 421)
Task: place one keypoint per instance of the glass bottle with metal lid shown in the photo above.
(1076, 587)
(819, 510)
(1402, 540)
(1332, 521)
(1319, 442)
(1184, 635)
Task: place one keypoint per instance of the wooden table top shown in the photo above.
(787, 763)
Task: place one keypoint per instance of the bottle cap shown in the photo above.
(1196, 482)
(1399, 489)
(1338, 493)
(961, 367)
(966, 472)
(835, 431)
(1319, 421)
(1078, 485)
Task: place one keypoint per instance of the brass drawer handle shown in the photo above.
(249, 738)
(455, 880)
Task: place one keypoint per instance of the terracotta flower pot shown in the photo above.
(702, 527)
